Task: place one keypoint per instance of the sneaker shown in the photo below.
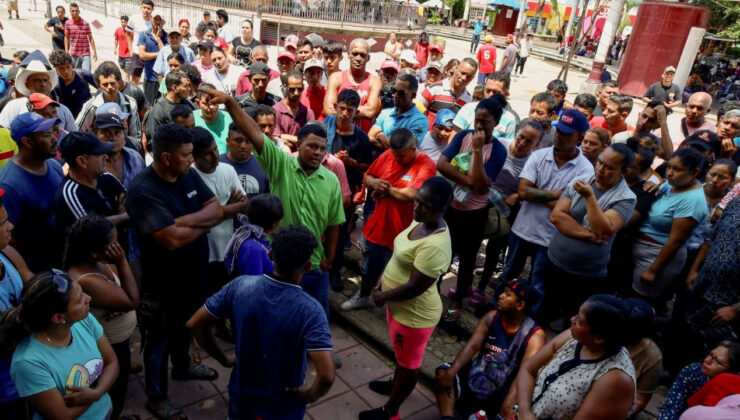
(378, 414)
(356, 302)
(479, 298)
(382, 387)
(335, 281)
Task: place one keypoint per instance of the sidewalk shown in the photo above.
(348, 396)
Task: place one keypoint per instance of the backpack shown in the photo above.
(490, 372)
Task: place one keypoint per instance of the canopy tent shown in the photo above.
(433, 3)
(514, 4)
(712, 37)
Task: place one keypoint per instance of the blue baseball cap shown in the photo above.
(444, 118)
(30, 122)
(110, 115)
(572, 120)
(111, 108)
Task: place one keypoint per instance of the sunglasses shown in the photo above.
(399, 92)
(60, 280)
(295, 89)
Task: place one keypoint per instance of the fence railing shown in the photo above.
(372, 13)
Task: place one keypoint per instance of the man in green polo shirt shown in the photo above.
(310, 193)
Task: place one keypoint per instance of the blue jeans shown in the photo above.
(316, 284)
(519, 250)
(81, 62)
(172, 342)
(474, 42)
(482, 77)
(374, 259)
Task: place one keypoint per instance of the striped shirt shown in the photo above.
(439, 95)
(77, 31)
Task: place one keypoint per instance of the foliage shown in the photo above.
(725, 17)
(458, 8)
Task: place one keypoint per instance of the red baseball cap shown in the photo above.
(39, 100)
(437, 47)
(286, 54)
(389, 64)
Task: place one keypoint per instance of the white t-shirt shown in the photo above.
(225, 82)
(431, 147)
(19, 106)
(524, 48)
(222, 182)
(225, 33)
(138, 24)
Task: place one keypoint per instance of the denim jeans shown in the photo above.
(316, 284)
(81, 62)
(374, 259)
(482, 77)
(172, 342)
(519, 250)
(474, 43)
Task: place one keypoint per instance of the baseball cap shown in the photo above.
(313, 62)
(286, 54)
(30, 122)
(258, 67)
(510, 36)
(705, 140)
(437, 47)
(523, 290)
(669, 68)
(111, 108)
(488, 39)
(389, 64)
(79, 143)
(206, 44)
(173, 32)
(39, 100)
(572, 120)
(291, 41)
(435, 65)
(444, 117)
(409, 56)
(316, 40)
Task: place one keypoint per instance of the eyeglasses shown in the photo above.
(399, 92)
(60, 280)
(716, 360)
(295, 89)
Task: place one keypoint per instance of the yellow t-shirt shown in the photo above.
(431, 256)
(8, 147)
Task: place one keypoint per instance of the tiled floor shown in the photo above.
(348, 396)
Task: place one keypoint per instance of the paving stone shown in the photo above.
(185, 393)
(359, 366)
(341, 339)
(429, 413)
(414, 403)
(135, 400)
(346, 406)
(208, 409)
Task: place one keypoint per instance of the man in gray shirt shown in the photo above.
(509, 61)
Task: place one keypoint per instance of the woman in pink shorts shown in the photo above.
(421, 254)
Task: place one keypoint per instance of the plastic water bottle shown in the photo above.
(480, 415)
(495, 198)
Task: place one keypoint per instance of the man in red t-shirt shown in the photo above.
(313, 96)
(394, 178)
(486, 59)
(122, 45)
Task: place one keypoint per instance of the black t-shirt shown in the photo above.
(242, 51)
(248, 103)
(658, 92)
(58, 41)
(75, 94)
(358, 147)
(138, 95)
(73, 200)
(177, 277)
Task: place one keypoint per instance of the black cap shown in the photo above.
(524, 291)
(79, 143)
(706, 140)
(258, 67)
(206, 44)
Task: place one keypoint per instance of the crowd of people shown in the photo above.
(215, 196)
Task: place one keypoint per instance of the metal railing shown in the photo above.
(371, 13)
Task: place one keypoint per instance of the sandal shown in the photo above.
(451, 315)
(197, 372)
(165, 410)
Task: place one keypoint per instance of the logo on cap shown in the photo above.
(566, 119)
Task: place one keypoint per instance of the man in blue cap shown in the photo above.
(544, 177)
(88, 187)
(436, 139)
(30, 180)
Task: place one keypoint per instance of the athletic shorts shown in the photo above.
(408, 343)
(137, 66)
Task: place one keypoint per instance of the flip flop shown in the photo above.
(197, 372)
(165, 410)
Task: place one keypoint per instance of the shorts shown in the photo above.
(124, 63)
(408, 343)
(137, 66)
(12, 5)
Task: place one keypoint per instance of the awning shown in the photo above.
(532, 8)
(713, 37)
(514, 4)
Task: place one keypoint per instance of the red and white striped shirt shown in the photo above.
(439, 95)
(77, 32)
